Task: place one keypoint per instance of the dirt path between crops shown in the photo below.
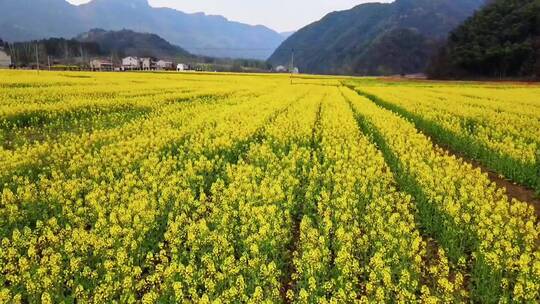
(519, 192)
(513, 190)
(289, 282)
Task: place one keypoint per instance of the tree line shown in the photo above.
(502, 40)
(72, 52)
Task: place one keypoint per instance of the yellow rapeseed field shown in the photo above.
(246, 188)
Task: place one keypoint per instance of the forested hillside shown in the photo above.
(375, 38)
(95, 43)
(99, 43)
(126, 42)
(502, 40)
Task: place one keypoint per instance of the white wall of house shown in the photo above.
(102, 65)
(281, 69)
(131, 63)
(148, 64)
(164, 65)
(5, 59)
(95, 64)
(181, 67)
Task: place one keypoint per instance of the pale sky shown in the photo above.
(280, 15)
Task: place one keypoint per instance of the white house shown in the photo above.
(164, 65)
(281, 69)
(101, 65)
(181, 67)
(296, 71)
(148, 64)
(5, 59)
(131, 63)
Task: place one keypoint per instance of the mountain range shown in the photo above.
(375, 38)
(209, 35)
(99, 43)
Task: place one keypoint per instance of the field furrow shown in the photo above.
(254, 188)
(143, 183)
(506, 142)
(237, 247)
(474, 222)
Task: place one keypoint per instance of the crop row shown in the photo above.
(473, 221)
(500, 134)
(84, 224)
(245, 189)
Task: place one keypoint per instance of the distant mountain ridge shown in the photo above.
(198, 33)
(375, 38)
(287, 34)
(99, 43)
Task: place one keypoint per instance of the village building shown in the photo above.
(164, 65)
(5, 59)
(131, 63)
(101, 65)
(148, 64)
(182, 67)
(281, 69)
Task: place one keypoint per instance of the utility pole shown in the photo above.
(292, 65)
(49, 62)
(37, 58)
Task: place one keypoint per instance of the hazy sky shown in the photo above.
(280, 15)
